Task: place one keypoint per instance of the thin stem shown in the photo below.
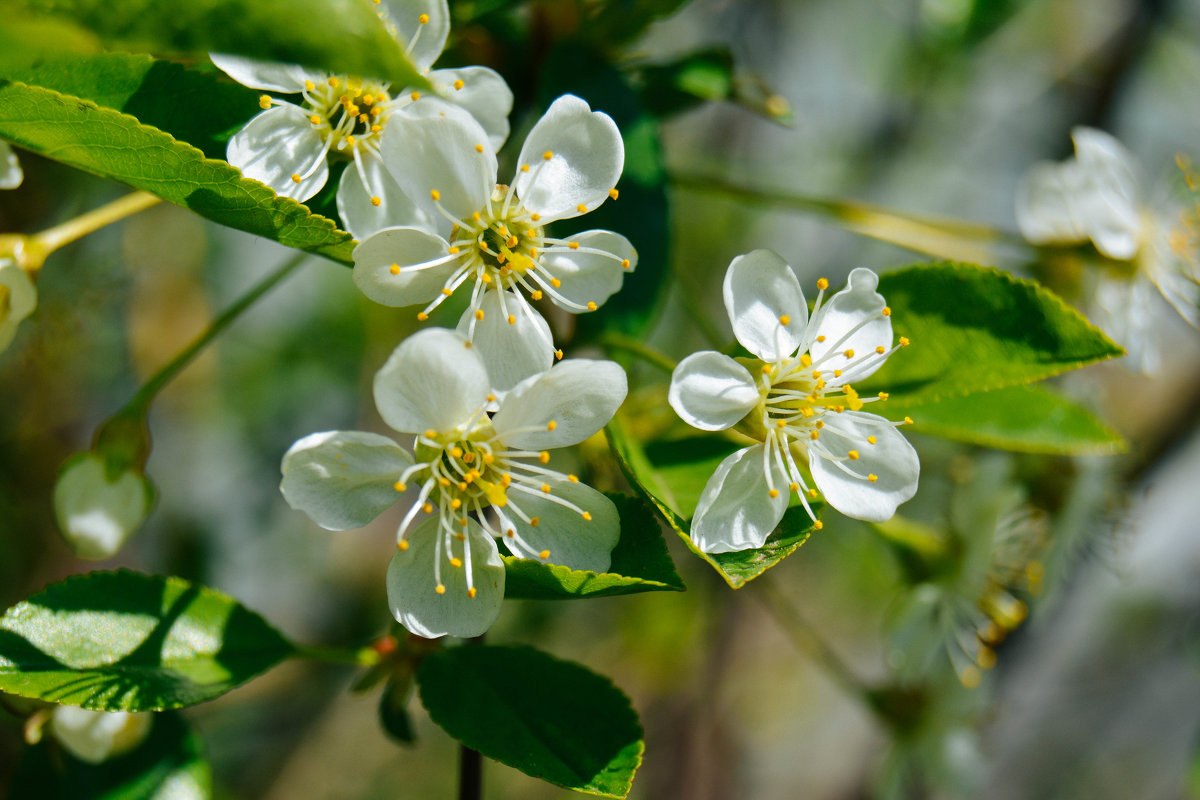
(614, 340)
(470, 773)
(53, 238)
(940, 237)
(164, 376)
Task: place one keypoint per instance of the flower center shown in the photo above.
(350, 113)
(465, 472)
(508, 238)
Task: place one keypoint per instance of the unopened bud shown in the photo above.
(96, 736)
(97, 511)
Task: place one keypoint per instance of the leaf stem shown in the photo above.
(935, 236)
(615, 340)
(52, 239)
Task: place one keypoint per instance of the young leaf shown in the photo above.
(337, 35)
(640, 563)
(122, 641)
(579, 730)
(737, 569)
(168, 765)
(1027, 419)
(114, 145)
(976, 329)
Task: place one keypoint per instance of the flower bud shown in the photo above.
(98, 508)
(11, 174)
(18, 297)
(96, 736)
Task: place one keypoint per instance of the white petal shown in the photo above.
(587, 158)
(1045, 204)
(711, 391)
(857, 304)
(433, 381)
(572, 541)
(484, 94)
(277, 144)
(760, 291)
(412, 587)
(578, 396)
(892, 459)
(342, 479)
(96, 513)
(21, 301)
(430, 36)
(11, 174)
(431, 146)
(736, 510)
(96, 736)
(362, 217)
(421, 258)
(511, 352)
(587, 276)
(1108, 205)
(265, 75)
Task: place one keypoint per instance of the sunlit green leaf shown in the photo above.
(122, 641)
(686, 82)
(736, 569)
(1028, 419)
(579, 731)
(342, 36)
(114, 145)
(640, 563)
(977, 329)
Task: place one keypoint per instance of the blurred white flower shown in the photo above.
(491, 239)
(97, 512)
(11, 174)
(18, 298)
(1096, 196)
(289, 146)
(796, 399)
(447, 576)
(96, 736)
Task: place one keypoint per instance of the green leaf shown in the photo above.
(573, 728)
(977, 329)
(122, 641)
(1027, 419)
(113, 145)
(393, 709)
(737, 569)
(615, 21)
(679, 85)
(640, 563)
(341, 36)
(168, 765)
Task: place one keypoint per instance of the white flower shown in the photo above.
(97, 512)
(288, 146)
(1096, 197)
(10, 169)
(18, 298)
(490, 239)
(476, 477)
(96, 736)
(796, 399)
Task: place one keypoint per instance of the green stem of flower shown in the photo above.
(52, 239)
(470, 762)
(614, 340)
(938, 237)
(164, 376)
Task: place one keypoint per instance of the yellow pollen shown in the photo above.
(766, 369)
(296, 178)
(435, 194)
(551, 425)
(309, 86)
(544, 554)
(812, 494)
(440, 589)
(793, 487)
(782, 423)
(422, 316)
(462, 486)
(625, 263)
(908, 421)
(510, 533)
(486, 278)
(457, 452)
(880, 349)
(573, 478)
(536, 295)
(544, 457)
(479, 313)
(815, 435)
(884, 395)
(887, 312)
(482, 245)
(548, 155)
(773, 493)
(456, 563)
(512, 319)
(264, 101)
(820, 424)
(818, 525)
(849, 354)
(334, 82)
(532, 254)
(350, 140)
(581, 208)
(535, 217)
(872, 477)
(423, 19)
(558, 354)
(377, 201)
(591, 306)
(613, 193)
(314, 119)
(415, 96)
(524, 168)
(853, 455)
(376, 128)
(574, 245)
(837, 373)
(363, 118)
(431, 434)
(822, 284)
(871, 440)
(472, 592)
(463, 522)
(456, 503)
(402, 545)
(546, 488)
(427, 508)
(398, 486)
(555, 282)
(512, 241)
(820, 338)
(904, 341)
(458, 84)
(533, 522)
(488, 458)
(454, 251)
(587, 515)
(444, 481)
(367, 99)
(447, 292)
(784, 319)
(478, 148)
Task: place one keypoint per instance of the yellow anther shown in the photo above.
(454, 251)
(887, 312)
(884, 395)
(462, 486)
(812, 494)
(807, 411)
(512, 241)
(422, 316)
(904, 341)
(296, 178)
(587, 516)
(482, 245)
(399, 486)
(533, 254)
(447, 291)
(880, 349)
(472, 592)
(970, 677)
(591, 306)
(456, 504)
(458, 84)
(815, 435)
(853, 454)
(486, 277)
(817, 524)
(784, 319)
(430, 433)
(440, 589)
(435, 194)
(533, 522)
(479, 314)
(766, 369)
(456, 563)
(402, 545)
(377, 201)
(478, 148)
(544, 457)
(613, 193)
(423, 19)
(581, 208)
(427, 508)
(872, 477)
(457, 452)
(512, 319)
(558, 354)
(544, 554)
(536, 294)
(546, 488)
(488, 458)
(822, 284)
(415, 96)
(573, 245)
(524, 168)
(309, 86)
(350, 140)
(871, 440)
(781, 423)
(793, 487)
(908, 421)
(837, 373)
(625, 263)
(820, 424)
(376, 128)
(551, 425)
(506, 479)
(555, 282)
(491, 398)
(805, 359)
(314, 119)
(264, 101)
(573, 478)
(363, 118)
(849, 353)
(334, 82)
(463, 522)
(821, 338)
(548, 155)
(510, 533)
(367, 99)
(773, 493)
(380, 97)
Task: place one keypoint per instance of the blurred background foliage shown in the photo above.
(1027, 629)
